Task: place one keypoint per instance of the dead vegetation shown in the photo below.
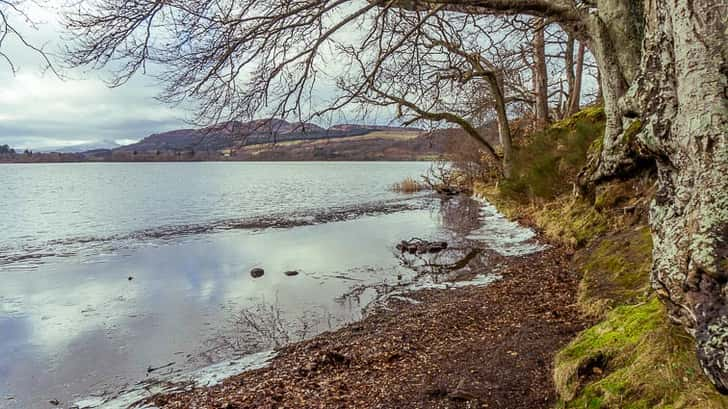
(408, 185)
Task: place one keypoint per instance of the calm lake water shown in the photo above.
(114, 274)
(62, 209)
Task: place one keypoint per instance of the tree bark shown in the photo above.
(569, 70)
(682, 95)
(574, 102)
(540, 75)
(671, 105)
(504, 130)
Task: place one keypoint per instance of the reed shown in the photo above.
(408, 185)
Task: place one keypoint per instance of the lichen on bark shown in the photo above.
(679, 98)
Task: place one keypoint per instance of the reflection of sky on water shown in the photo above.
(69, 328)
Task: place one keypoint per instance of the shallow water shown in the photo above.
(86, 327)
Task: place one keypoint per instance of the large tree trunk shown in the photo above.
(671, 105)
(540, 75)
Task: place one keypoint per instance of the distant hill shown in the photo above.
(82, 147)
(234, 135)
(278, 140)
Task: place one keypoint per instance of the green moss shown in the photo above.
(553, 156)
(595, 149)
(590, 114)
(642, 361)
(615, 270)
(631, 132)
(633, 358)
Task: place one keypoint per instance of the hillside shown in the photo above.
(234, 135)
(278, 140)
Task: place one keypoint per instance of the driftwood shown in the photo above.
(419, 246)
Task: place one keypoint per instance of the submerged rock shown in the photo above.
(257, 272)
(419, 246)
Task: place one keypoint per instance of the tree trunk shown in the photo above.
(540, 75)
(671, 105)
(599, 100)
(569, 69)
(504, 130)
(574, 102)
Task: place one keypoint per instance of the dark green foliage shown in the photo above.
(546, 164)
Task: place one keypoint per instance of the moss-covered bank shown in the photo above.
(632, 357)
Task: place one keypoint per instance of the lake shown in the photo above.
(117, 273)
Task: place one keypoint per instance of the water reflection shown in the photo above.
(190, 302)
(73, 330)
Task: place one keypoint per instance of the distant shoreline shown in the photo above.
(40, 162)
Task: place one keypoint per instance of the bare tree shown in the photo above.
(574, 67)
(12, 14)
(451, 81)
(662, 74)
(540, 74)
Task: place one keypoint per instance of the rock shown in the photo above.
(54, 402)
(257, 272)
(291, 273)
(418, 246)
(131, 278)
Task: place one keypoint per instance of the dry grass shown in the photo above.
(408, 185)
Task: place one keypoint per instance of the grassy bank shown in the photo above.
(632, 357)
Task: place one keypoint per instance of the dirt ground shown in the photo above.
(472, 347)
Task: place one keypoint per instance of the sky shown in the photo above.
(40, 111)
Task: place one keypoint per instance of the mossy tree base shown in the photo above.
(634, 357)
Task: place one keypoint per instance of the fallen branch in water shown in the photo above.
(419, 246)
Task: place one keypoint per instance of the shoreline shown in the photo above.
(424, 159)
(491, 346)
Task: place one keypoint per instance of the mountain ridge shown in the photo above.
(236, 134)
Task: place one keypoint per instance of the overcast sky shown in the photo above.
(40, 110)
